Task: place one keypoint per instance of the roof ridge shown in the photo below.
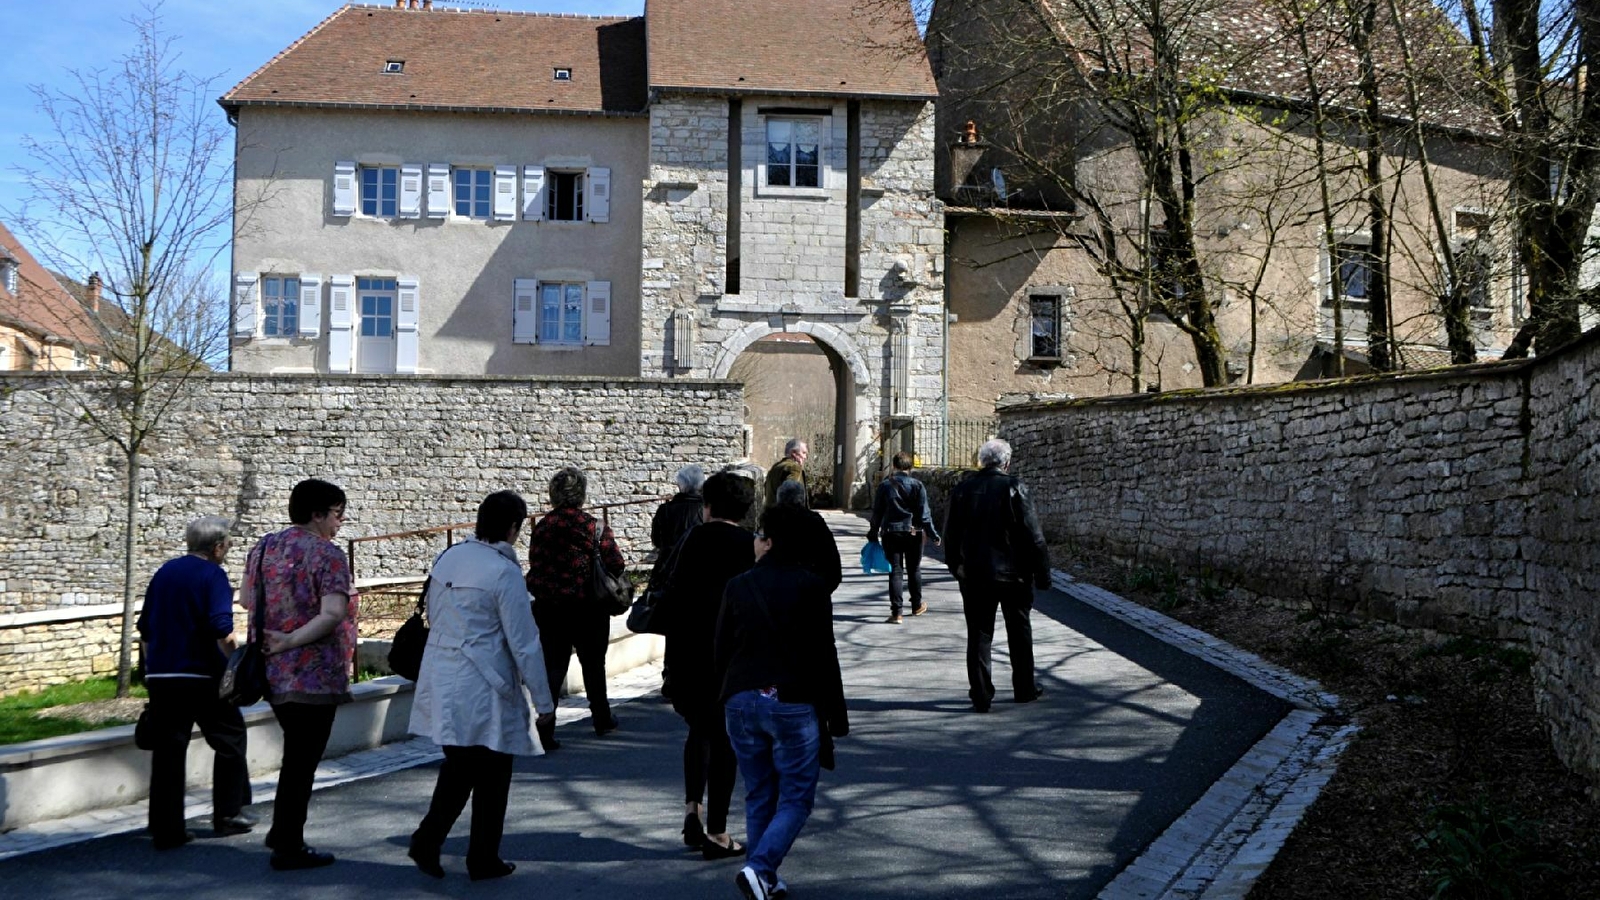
(285, 51)
(496, 12)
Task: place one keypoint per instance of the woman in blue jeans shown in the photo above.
(783, 694)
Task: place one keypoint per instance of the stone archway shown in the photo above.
(853, 435)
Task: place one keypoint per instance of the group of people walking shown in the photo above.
(751, 662)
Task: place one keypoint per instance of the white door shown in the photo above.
(375, 299)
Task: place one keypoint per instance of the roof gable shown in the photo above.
(41, 305)
(817, 47)
(467, 60)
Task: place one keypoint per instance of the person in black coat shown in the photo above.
(709, 555)
(685, 510)
(900, 515)
(995, 548)
(782, 689)
(817, 550)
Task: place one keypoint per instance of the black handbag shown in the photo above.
(613, 593)
(144, 730)
(244, 681)
(647, 614)
(405, 651)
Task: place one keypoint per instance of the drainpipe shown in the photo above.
(944, 369)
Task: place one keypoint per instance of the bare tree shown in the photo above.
(133, 183)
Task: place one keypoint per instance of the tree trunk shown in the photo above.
(129, 561)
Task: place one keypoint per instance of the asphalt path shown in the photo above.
(1044, 800)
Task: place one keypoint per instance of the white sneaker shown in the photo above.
(751, 885)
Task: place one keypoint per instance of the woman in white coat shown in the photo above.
(483, 648)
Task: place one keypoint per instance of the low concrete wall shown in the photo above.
(63, 776)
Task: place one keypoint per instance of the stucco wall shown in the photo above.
(1461, 501)
(466, 268)
(411, 453)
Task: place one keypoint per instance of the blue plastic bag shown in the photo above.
(874, 561)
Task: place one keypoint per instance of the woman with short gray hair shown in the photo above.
(187, 631)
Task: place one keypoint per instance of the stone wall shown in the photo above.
(411, 453)
(1461, 501)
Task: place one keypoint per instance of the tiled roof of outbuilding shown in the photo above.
(815, 47)
(456, 59)
(41, 305)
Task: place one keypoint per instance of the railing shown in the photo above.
(449, 531)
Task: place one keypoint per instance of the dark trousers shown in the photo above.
(176, 706)
(564, 628)
(904, 549)
(709, 766)
(1015, 601)
(306, 727)
(485, 776)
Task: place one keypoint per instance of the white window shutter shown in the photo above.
(597, 317)
(599, 195)
(505, 193)
(533, 195)
(344, 188)
(244, 304)
(310, 304)
(525, 312)
(405, 327)
(341, 316)
(438, 190)
(411, 191)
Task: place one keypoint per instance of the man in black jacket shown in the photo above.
(996, 550)
(782, 691)
(900, 514)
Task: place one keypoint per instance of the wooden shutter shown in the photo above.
(525, 312)
(505, 193)
(533, 193)
(599, 195)
(344, 189)
(438, 190)
(310, 304)
(406, 321)
(244, 304)
(411, 191)
(341, 317)
(597, 314)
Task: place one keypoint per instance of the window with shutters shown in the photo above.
(280, 305)
(794, 152)
(377, 306)
(380, 191)
(564, 202)
(474, 193)
(561, 312)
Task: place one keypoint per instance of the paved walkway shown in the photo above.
(1053, 799)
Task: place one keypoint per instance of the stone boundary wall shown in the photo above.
(411, 452)
(1461, 501)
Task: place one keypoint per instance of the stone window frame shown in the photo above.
(1063, 296)
(1347, 238)
(1477, 240)
(824, 121)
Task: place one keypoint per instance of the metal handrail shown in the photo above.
(449, 531)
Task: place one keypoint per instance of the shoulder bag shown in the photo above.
(244, 681)
(405, 651)
(612, 593)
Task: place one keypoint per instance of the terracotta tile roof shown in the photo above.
(41, 306)
(456, 59)
(1249, 44)
(839, 48)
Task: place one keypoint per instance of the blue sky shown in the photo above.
(225, 38)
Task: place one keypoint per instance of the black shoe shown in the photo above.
(713, 850)
(694, 834)
(1029, 698)
(238, 823)
(307, 857)
(605, 726)
(171, 842)
(497, 869)
(426, 858)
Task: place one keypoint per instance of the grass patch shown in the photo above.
(19, 722)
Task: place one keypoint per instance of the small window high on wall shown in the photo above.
(1352, 260)
(1044, 329)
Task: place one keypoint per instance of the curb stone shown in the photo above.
(1219, 847)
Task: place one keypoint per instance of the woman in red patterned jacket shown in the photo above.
(560, 566)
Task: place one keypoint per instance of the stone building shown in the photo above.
(598, 196)
(1034, 311)
(43, 326)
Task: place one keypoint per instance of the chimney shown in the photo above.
(414, 4)
(91, 290)
(964, 156)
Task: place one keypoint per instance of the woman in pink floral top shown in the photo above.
(305, 579)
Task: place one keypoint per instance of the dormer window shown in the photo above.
(394, 67)
(8, 275)
(563, 73)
